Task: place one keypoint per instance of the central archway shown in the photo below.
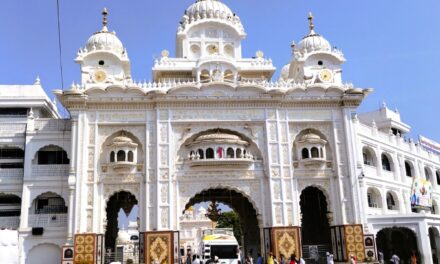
(120, 200)
(315, 228)
(239, 203)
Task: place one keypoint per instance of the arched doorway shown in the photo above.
(44, 254)
(244, 209)
(119, 215)
(434, 239)
(390, 241)
(315, 229)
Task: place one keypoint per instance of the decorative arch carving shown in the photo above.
(323, 186)
(252, 193)
(112, 189)
(38, 146)
(36, 193)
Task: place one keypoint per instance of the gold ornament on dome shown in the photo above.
(325, 75)
(165, 53)
(100, 76)
(259, 54)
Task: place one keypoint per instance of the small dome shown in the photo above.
(310, 136)
(122, 139)
(313, 42)
(211, 9)
(220, 137)
(105, 40)
(217, 136)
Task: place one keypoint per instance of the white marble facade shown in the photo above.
(251, 132)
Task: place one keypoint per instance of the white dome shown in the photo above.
(211, 10)
(105, 40)
(123, 237)
(314, 42)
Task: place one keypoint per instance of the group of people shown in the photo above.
(271, 259)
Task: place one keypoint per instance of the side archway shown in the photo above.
(44, 254)
(389, 242)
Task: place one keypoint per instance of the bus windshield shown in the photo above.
(224, 251)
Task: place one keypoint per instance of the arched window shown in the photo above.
(49, 203)
(209, 153)
(437, 175)
(368, 157)
(230, 153)
(52, 155)
(239, 155)
(391, 203)
(408, 169)
(121, 155)
(373, 197)
(315, 152)
(201, 154)
(386, 165)
(305, 153)
(427, 174)
(112, 156)
(130, 156)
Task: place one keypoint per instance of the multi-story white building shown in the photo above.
(292, 157)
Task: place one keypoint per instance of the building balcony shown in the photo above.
(47, 220)
(11, 174)
(9, 222)
(221, 162)
(52, 170)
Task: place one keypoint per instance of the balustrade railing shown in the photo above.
(11, 173)
(50, 170)
(9, 222)
(47, 220)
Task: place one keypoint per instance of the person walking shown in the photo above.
(292, 259)
(330, 258)
(380, 257)
(283, 259)
(259, 259)
(413, 257)
(270, 258)
(353, 259)
(395, 259)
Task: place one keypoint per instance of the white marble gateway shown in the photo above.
(211, 122)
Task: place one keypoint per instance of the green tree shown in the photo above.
(231, 220)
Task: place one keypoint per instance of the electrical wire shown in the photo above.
(59, 45)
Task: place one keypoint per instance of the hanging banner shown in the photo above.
(421, 194)
(159, 247)
(286, 241)
(429, 145)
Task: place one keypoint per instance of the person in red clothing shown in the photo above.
(353, 259)
(292, 259)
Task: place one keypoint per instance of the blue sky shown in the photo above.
(391, 46)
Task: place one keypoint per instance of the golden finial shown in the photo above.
(104, 18)
(310, 18)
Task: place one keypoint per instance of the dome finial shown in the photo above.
(311, 26)
(104, 19)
